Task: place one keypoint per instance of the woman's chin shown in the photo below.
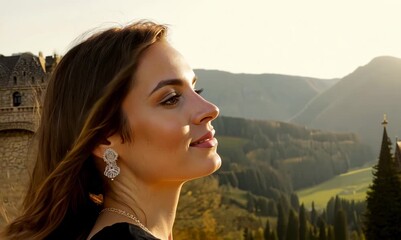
(211, 165)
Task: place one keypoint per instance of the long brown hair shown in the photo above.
(82, 108)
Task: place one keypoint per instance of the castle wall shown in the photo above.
(30, 95)
(26, 77)
(14, 170)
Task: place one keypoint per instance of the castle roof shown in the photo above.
(9, 65)
(9, 62)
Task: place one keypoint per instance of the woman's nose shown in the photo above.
(205, 112)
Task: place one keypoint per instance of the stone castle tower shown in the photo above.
(23, 80)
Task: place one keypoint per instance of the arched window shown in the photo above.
(16, 99)
(15, 80)
(33, 79)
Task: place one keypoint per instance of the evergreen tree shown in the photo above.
(383, 213)
(324, 216)
(302, 223)
(285, 202)
(267, 231)
(263, 206)
(337, 205)
(281, 222)
(250, 205)
(340, 226)
(292, 227)
(294, 201)
(233, 179)
(272, 209)
(330, 211)
(330, 233)
(322, 229)
(316, 231)
(313, 214)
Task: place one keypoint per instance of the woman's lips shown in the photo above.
(206, 141)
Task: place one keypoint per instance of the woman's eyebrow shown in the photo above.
(174, 81)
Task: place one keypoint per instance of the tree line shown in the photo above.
(340, 220)
(284, 156)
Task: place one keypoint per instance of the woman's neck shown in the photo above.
(154, 205)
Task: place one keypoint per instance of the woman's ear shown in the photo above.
(101, 147)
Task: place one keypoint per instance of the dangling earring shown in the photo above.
(110, 157)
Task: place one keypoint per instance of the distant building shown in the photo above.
(23, 81)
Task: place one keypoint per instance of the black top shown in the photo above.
(123, 231)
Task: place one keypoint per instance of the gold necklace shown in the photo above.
(128, 215)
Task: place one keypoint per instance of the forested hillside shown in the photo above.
(253, 192)
(265, 155)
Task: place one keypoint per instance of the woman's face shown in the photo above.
(173, 139)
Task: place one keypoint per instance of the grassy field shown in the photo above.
(352, 185)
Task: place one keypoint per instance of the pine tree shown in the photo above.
(263, 205)
(292, 227)
(313, 214)
(266, 231)
(302, 223)
(250, 205)
(330, 233)
(281, 222)
(383, 213)
(340, 226)
(322, 229)
(330, 211)
(294, 201)
(337, 205)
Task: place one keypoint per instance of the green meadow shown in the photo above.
(351, 185)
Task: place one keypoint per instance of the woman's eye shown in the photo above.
(199, 91)
(173, 100)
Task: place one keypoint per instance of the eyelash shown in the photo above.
(199, 91)
(173, 100)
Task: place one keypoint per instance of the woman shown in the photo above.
(122, 128)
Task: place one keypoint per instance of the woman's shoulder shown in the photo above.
(123, 231)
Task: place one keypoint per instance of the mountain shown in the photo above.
(358, 101)
(259, 96)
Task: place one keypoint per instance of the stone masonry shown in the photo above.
(23, 80)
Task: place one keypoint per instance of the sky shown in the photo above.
(313, 38)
